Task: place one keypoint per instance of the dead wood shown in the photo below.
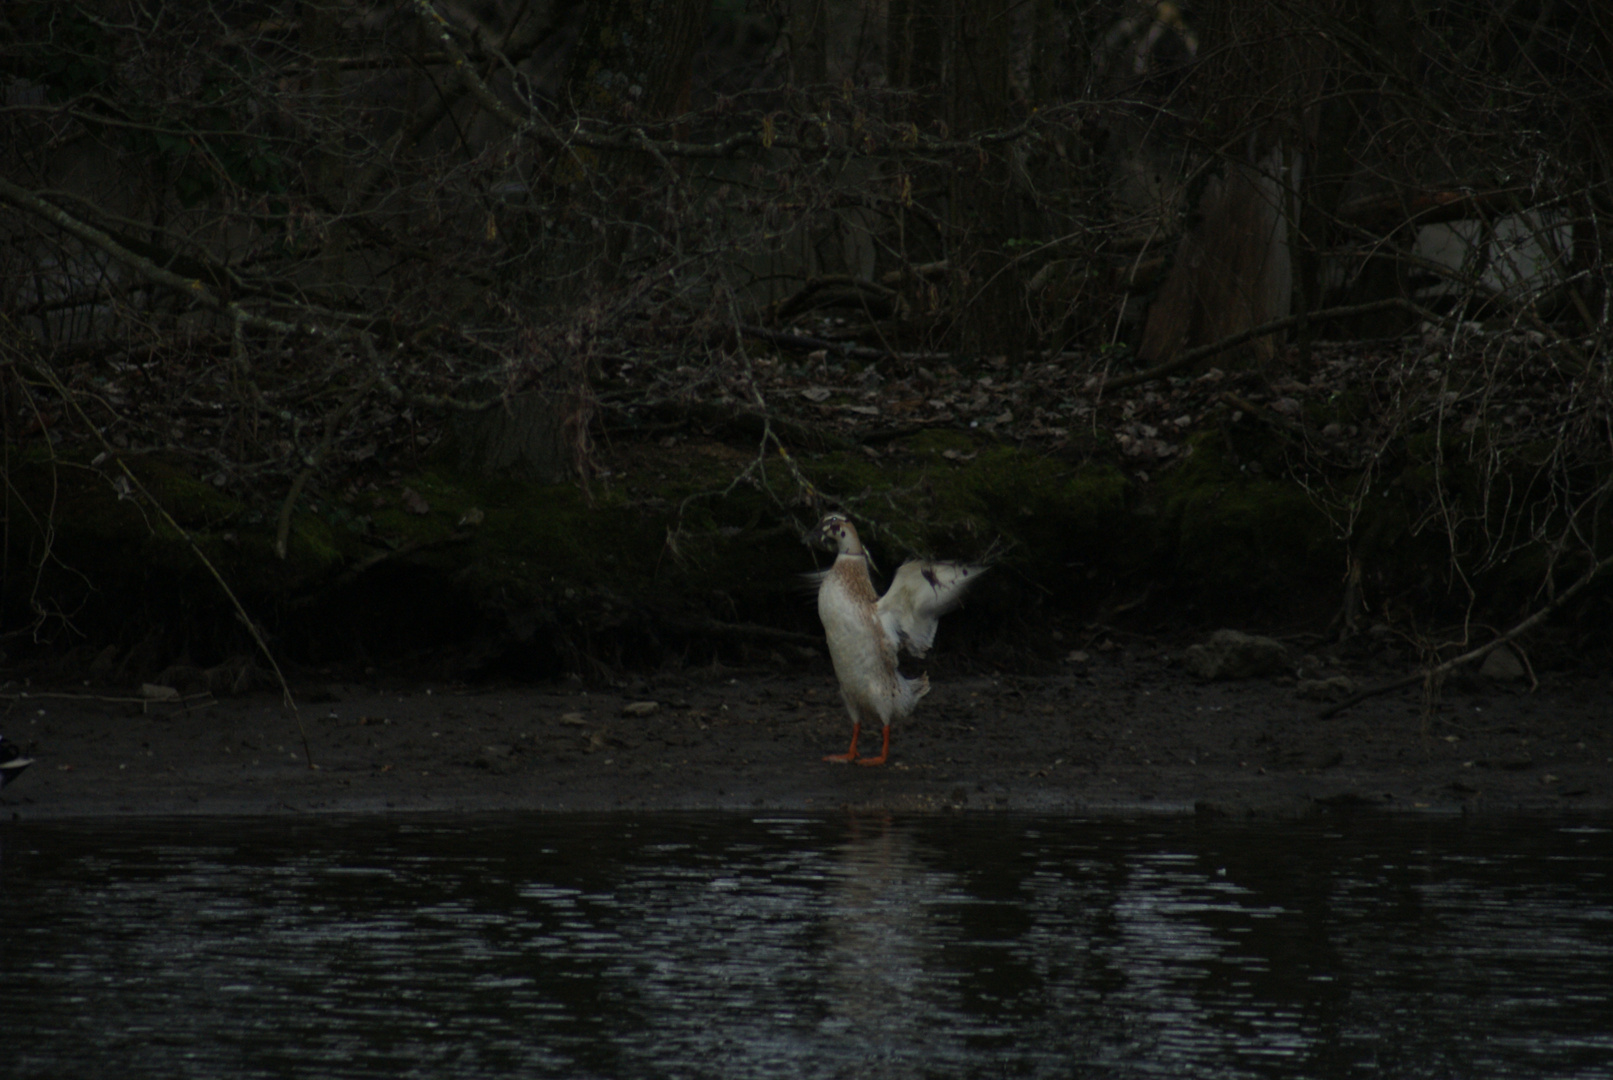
(1428, 675)
(1192, 357)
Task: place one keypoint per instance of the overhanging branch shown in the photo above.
(23, 199)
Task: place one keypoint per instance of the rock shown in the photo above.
(499, 758)
(103, 669)
(1231, 654)
(413, 501)
(1503, 665)
(1336, 688)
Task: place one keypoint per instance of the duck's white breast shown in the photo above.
(864, 662)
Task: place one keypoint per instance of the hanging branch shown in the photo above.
(157, 275)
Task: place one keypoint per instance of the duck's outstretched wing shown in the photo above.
(921, 593)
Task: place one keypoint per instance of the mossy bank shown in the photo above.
(688, 548)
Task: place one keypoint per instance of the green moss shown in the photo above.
(937, 441)
(708, 528)
(1262, 539)
(1232, 533)
(947, 493)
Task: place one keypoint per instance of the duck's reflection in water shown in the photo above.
(881, 955)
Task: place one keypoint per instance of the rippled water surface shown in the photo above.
(789, 946)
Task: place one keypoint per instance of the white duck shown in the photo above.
(865, 630)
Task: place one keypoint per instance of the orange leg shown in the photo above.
(884, 751)
(849, 755)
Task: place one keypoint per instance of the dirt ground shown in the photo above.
(1125, 731)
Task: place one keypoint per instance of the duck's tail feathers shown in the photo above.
(908, 692)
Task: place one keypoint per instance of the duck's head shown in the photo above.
(836, 533)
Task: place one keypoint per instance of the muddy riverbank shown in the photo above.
(1127, 729)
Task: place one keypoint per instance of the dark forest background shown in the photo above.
(262, 260)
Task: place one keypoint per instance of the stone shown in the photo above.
(1232, 654)
(1336, 688)
(499, 758)
(1503, 665)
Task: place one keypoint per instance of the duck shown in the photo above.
(12, 763)
(866, 632)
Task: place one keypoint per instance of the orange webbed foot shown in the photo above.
(884, 750)
(849, 755)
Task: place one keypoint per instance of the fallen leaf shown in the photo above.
(816, 393)
(575, 719)
(641, 708)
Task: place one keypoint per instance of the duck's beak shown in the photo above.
(820, 538)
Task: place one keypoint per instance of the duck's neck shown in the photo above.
(853, 562)
(852, 570)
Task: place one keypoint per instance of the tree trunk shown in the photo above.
(985, 209)
(633, 57)
(1231, 273)
(632, 62)
(533, 436)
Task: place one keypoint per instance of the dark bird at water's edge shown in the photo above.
(12, 763)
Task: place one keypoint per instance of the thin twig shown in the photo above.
(205, 697)
(240, 610)
(283, 529)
